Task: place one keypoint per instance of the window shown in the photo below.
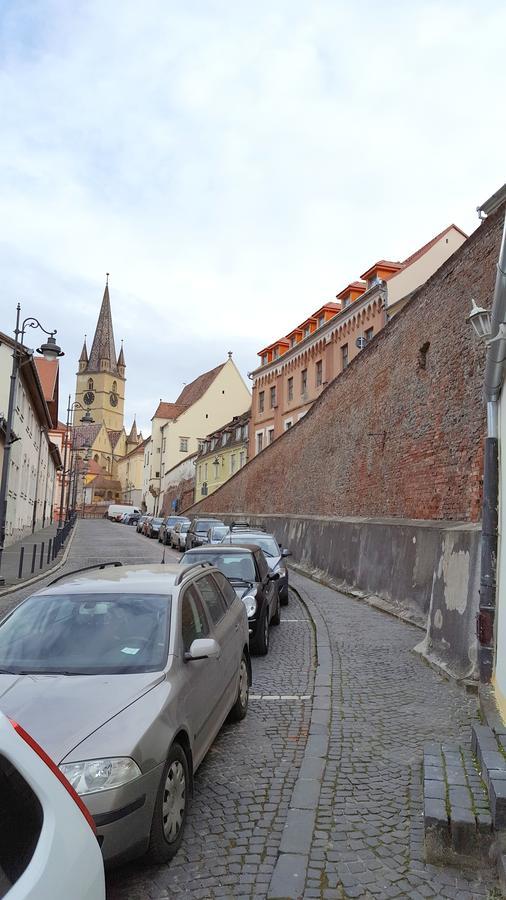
(232, 464)
(344, 356)
(292, 341)
(303, 381)
(270, 435)
(193, 620)
(273, 396)
(369, 334)
(224, 438)
(319, 373)
(238, 433)
(307, 331)
(226, 588)
(183, 445)
(288, 424)
(276, 353)
(345, 303)
(90, 384)
(321, 320)
(205, 473)
(264, 359)
(242, 458)
(261, 401)
(260, 441)
(114, 387)
(245, 432)
(290, 389)
(214, 602)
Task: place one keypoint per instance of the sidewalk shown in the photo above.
(38, 542)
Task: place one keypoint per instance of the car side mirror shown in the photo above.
(273, 576)
(203, 648)
(286, 553)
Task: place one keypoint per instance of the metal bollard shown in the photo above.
(21, 558)
(41, 560)
(34, 557)
(49, 549)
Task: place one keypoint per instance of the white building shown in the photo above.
(34, 458)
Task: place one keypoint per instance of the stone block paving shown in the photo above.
(386, 704)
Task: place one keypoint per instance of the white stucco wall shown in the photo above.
(419, 271)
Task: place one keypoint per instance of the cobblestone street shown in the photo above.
(255, 818)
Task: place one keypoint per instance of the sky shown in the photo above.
(232, 165)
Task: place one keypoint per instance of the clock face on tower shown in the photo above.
(113, 399)
(89, 398)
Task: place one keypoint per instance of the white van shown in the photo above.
(117, 509)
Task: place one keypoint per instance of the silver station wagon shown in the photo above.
(125, 675)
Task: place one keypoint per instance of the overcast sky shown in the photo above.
(233, 165)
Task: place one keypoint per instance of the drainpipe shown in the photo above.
(494, 376)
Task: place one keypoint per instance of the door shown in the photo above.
(202, 691)
(224, 626)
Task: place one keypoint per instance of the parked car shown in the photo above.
(48, 844)
(140, 523)
(247, 570)
(168, 524)
(146, 524)
(217, 533)
(274, 554)
(197, 532)
(115, 510)
(178, 536)
(159, 658)
(132, 518)
(153, 527)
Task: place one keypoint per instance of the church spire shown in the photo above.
(133, 436)
(103, 352)
(83, 359)
(121, 357)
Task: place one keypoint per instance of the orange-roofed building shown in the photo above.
(285, 387)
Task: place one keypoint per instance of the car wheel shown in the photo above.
(276, 619)
(240, 707)
(171, 808)
(262, 641)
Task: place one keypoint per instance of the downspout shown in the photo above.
(494, 376)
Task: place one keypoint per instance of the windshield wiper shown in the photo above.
(233, 578)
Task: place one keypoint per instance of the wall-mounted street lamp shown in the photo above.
(85, 420)
(50, 350)
(480, 320)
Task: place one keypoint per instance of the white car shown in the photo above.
(48, 844)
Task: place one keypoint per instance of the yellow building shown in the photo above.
(100, 387)
(223, 453)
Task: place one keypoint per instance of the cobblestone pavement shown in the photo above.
(384, 704)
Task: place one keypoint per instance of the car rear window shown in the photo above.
(205, 524)
(92, 634)
(238, 566)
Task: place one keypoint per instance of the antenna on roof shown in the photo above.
(106, 278)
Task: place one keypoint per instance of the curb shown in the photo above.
(290, 872)
(42, 575)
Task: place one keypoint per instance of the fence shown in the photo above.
(40, 555)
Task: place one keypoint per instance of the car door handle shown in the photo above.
(237, 626)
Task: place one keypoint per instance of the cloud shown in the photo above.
(232, 166)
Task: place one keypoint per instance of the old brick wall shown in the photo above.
(182, 492)
(400, 432)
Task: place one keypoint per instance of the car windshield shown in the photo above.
(265, 541)
(86, 634)
(205, 525)
(236, 566)
(219, 532)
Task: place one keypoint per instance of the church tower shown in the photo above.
(101, 375)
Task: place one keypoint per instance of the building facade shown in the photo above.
(34, 458)
(223, 453)
(295, 370)
(179, 428)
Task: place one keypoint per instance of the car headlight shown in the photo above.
(94, 775)
(282, 571)
(250, 602)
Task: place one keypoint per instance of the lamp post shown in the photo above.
(49, 350)
(86, 420)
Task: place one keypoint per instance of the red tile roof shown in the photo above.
(168, 410)
(353, 286)
(429, 244)
(47, 370)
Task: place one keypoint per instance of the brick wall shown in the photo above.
(182, 492)
(400, 432)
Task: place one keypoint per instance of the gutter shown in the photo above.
(493, 382)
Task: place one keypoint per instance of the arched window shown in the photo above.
(114, 387)
(90, 384)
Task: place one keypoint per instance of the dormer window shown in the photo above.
(374, 280)
(292, 341)
(321, 320)
(307, 331)
(346, 303)
(276, 352)
(264, 359)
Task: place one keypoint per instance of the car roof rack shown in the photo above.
(244, 526)
(189, 566)
(85, 569)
